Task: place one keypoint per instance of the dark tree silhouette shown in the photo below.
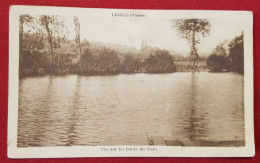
(192, 30)
(221, 60)
(218, 63)
(236, 54)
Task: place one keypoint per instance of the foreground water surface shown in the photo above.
(121, 109)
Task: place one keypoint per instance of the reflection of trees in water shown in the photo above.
(73, 116)
(44, 113)
(21, 139)
(40, 125)
(35, 130)
(196, 125)
(237, 112)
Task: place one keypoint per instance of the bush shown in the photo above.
(108, 61)
(160, 62)
(95, 62)
(130, 64)
(31, 62)
(87, 62)
(105, 62)
(218, 63)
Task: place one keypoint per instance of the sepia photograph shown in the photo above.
(117, 82)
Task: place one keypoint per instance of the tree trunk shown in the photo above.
(77, 40)
(193, 39)
(194, 54)
(46, 24)
(21, 34)
(50, 41)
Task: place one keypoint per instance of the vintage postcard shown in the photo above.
(87, 82)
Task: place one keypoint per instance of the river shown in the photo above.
(77, 110)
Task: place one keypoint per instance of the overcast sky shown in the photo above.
(156, 31)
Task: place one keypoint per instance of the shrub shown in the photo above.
(130, 64)
(218, 63)
(31, 62)
(160, 62)
(105, 62)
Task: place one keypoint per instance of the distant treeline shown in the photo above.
(102, 62)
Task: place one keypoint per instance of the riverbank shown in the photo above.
(180, 66)
(185, 66)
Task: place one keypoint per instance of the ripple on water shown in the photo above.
(119, 110)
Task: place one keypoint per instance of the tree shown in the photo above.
(160, 62)
(130, 64)
(108, 61)
(55, 28)
(77, 40)
(219, 60)
(23, 20)
(221, 49)
(105, 61)
(86, 62)
(236, 54)
(192, 30)
(218, 63)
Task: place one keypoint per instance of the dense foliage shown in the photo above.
(218, 63)
(230, 59)
(160, 62)
(107, 61)
(236, 54)
(95, 62)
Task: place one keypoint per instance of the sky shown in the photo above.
(158, 32)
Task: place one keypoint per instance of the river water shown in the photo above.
(119, 110)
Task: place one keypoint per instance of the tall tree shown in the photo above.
(192, 30)
(54, 27)
(77, 40)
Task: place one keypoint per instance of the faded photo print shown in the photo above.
(173, 82)
(130, 78)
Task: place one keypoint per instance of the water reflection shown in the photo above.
(119, 110)
(38, 117)
(196, 125)
(73, 116)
